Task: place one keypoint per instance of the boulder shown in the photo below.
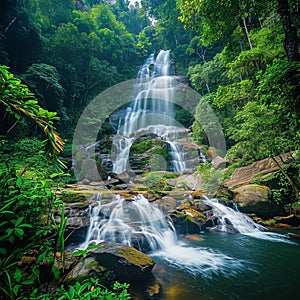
(191, 181)
(219, 162)
(126, 262)
(250, 194)
(257, 170)
(87, 267)
(254, 198)
(188, 219)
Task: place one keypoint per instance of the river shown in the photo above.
(260, 269)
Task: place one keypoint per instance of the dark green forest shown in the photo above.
(241, 56)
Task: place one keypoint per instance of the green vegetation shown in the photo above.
(57, 56)
(158, 181)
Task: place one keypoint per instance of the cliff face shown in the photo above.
(255, 171)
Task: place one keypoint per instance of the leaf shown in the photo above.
(56, 272)
(71, 292)
(28, 282)
(18, 221)
(19, 181)
(18, 275)
(3, 223)
(19, 232)
(3, 251)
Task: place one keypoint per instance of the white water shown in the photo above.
(129, 222)
(230, 219)
(152, 110)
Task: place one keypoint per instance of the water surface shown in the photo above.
(246, 268)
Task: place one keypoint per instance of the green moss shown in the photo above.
(270, 222)
(69, 197)
(92, 264)
(141, 147)
(134, 256)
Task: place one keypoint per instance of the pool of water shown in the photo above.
(226, 266)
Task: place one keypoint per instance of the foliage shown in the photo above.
(25, 209)
(89, 288)
(281, 189)
(20, 102)
(158, 181)
(140, 147)
(212, 178)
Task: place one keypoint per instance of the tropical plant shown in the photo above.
(26, 206)
(19, 101)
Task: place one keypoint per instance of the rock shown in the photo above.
(188, 219)
(93, 170)
(254, 198)
(123, 186)
(112, 182)
(224, 193)
(86, 268)
(194, 237)
(166, 203)
(211, 153)
(190, 181)
(219, 162)
(126, 177)
(289, 220)
(197, 194)
(251, 194)
(97, 183)
(89, 170)
(84, 181)
(255, 171)
(126, 262)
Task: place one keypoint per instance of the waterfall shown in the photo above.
(231, 220)
(152, 110)
(128, 223)
(143, 225)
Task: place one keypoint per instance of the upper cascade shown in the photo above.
(153, 110)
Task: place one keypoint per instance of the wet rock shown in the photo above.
(85, 268)
(126, 262)
(188, 219)
(112, 182)
(289, 220)
(122, 186)
(197, 194)
(194, 237)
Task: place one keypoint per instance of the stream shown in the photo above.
(260, 269)
(238, 259)
(252, 263)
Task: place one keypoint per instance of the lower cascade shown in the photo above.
(143, 225)
(231, 220)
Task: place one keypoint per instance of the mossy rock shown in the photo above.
(86, 268)
(69, 197)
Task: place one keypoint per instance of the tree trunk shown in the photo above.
(293, 184)
(247, 33)
(291, 39)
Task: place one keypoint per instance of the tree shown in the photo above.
(291, 38)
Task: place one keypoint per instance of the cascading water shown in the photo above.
(231, 220)
(142, 225)
(128, 223)
(151, 110)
